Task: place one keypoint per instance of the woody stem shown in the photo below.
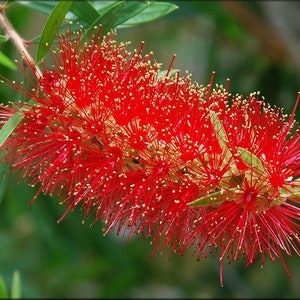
(18, 42)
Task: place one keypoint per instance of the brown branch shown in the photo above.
(19, 43)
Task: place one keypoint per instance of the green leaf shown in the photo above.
(7, 62)
(10, 126)
(85, 11)
(171, 73)
(50, 30)
(219, 129)
(16, 285)
(3, 290)
(214, 198)
(131, 9)
(3, 38)
(103, 6)
(251, 160)
(153, 11)
(221, 135)
(107, 20)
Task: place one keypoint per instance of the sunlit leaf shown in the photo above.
(7, 62)
(214, 198)
(251, 160)
(51, 27)
(291, 189)
(10, 126)
(163, 73)
(220, 134)
(16, 285)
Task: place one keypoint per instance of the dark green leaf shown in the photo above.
(153, 11)
(50, 30)
(3, 38)
(3, 181)
(131, 9)
(103, 6)
(85, 11)
(3, 290)
(7, 62)
(107, 20)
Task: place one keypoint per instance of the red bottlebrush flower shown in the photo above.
(255, 207)
(157, 154)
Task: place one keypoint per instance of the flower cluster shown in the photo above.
(154, 153)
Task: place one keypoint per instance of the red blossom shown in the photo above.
(158, 154)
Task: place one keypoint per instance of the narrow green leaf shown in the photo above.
(7, 62)
(219, 129)
(103, 6)
(153, 11)
(163, 73)
(3, 290)
(251, 160)
(50, 30)
(131, 9)
(9, 126)
(16, 285)
(85, 11)
(221, 135)
(214, 198)
(107, 20)
(3, 38)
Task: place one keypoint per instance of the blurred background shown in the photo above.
(256, 45)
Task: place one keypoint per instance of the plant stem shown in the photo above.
(19, 43)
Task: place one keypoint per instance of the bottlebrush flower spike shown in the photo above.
(157, 154)
(259, 211)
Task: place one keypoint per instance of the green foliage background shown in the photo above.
(74, 260)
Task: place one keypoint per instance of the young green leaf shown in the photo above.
(7, 62)
(251, 160)
(221, 135)
(51, 27)
(171, 73)
(214, 198)
(16, 285)
(10, 126)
